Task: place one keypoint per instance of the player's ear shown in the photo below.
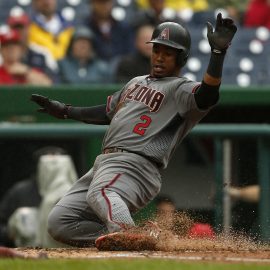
(181, 59)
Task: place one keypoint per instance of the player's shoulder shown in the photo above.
(174, 82)
(181, 80)
(182, 84)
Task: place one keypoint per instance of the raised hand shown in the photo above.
(220, 38)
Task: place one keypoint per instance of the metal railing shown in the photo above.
(222, 135)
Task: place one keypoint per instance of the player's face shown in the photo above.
(163, 61)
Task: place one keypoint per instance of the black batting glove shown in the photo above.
(220, 38)
(52, 107)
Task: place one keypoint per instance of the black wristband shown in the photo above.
(215, 65)
(66, 111)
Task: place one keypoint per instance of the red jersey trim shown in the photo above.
(108, 105)
(196, 87)
(108, 201)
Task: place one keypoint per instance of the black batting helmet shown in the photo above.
(173, 35)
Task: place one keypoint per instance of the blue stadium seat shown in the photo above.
(195, 53)
(5, 7)
(247, 49)
(254, 67)
(201, 17)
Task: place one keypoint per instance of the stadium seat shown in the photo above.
(250, 46)
(5, 7)
(201, 17)
(247, 62)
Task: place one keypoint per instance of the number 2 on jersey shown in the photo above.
(141, 127)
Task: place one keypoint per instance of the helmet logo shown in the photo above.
(165, 34)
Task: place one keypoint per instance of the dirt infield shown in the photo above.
(185, 250)
(259, 256)
(169, 243)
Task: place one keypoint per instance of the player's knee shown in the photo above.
(97, 201)
(92, 198)
(55, 225)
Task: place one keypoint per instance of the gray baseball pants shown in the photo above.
(104, 198)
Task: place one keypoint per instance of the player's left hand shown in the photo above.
(52, 107)
(220, 38)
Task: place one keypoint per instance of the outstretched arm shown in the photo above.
(92, 115)
(219, 39)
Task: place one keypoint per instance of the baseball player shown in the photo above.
(147, 119)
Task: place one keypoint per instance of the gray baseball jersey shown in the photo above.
(151, 116)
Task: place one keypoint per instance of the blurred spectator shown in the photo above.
(81, 65)
(180, 223)
(201, 230)
(112, 38)
(56, 175)
(245, 210)
(165, 212)
(195, 5)
(248, 193)
(154, 14)
(13, 70)
(34, 55)
(25, 207)
(24, 193)
(257, 14)
(137, 63)
(49, 29)
(17, 196)
(169, 219)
